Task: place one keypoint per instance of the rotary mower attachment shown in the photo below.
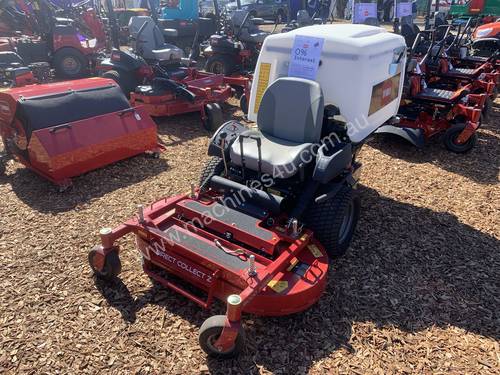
(253, 265)
(193, 91)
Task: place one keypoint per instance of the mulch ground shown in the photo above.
(418, 292)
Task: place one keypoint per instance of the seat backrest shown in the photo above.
(303, 17)
(237, 19)
(150, 38)
(292, 109)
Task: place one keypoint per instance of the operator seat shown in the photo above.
(149, 42)
(303, 18)
(249, 32)
(289, 121)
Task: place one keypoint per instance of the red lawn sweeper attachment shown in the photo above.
(61, 130)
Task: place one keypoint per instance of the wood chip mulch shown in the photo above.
(418, 292)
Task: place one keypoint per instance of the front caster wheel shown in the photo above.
(210, 332)
(450, 139)
(106, 267)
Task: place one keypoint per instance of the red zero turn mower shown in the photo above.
(245, 237)
(153, 76)
(276, 201)
(62, 130)
(433, 107)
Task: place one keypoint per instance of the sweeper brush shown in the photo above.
(62, 130)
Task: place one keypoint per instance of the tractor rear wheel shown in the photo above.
(450, 139)
(111, 267)
(210, 332)
(213, 167)
(125, 80)
(334, 221)
(70, 63)
(214, 117)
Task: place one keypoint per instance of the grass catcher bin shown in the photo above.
(62, 130)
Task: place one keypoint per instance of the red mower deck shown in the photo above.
(207, 88)
(229, 255)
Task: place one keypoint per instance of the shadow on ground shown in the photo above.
(408, 267)
(43, 196)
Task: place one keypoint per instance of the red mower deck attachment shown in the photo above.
(254, 264)
(195, 92)
(65, 129)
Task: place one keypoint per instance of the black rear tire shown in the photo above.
(69, 63)
(210, 331)
(124, 79)
(220, 64)
(334, 221)
(214, 117)
(450, 137)
(213, 167)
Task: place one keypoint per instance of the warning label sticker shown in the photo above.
(262, 83)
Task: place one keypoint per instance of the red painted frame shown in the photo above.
(253, 289)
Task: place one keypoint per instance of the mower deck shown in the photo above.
(210, 245)
(206, 87)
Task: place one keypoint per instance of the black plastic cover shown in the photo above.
(231, 130)
(50, 110)
(330, 162)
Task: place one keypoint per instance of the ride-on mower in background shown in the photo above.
(430, 109)
(60, 41)
(61, 130)
(15, 73)
(237, 47)
(274, 202)
(153, 76)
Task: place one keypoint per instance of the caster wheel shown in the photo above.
(450, 140)
(209, 333)
(106, 267)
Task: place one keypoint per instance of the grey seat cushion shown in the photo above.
(254, 37)
(280, 158)
(167, 54)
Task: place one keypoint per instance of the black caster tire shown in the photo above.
(209, 333)
(112, 265)
(450, 137)
(334, 221)
(123, 79)
(214, 117)
(244, 104)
